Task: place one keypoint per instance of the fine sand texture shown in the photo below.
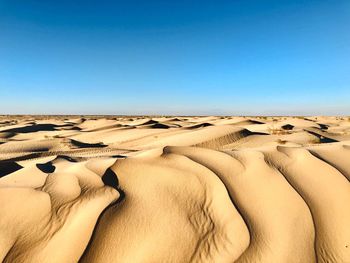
(174, 189)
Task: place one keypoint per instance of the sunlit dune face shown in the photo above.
(61, 213)
(174, 209)
(186, 205)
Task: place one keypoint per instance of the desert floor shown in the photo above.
(174, 189)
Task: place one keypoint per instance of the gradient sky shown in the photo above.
(175, 57)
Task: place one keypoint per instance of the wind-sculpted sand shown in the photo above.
(174, 189)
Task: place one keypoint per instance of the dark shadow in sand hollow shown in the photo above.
(46, 167)
(41, 127)
(8, 167)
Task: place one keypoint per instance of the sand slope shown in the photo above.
(175, 189)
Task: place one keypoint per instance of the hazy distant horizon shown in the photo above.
(175, 57)
(331, 112)
(273, 111)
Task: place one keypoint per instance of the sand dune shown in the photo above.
(174, 189)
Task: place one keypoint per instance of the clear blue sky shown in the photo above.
(175, 57)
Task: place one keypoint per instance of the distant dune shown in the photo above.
(174, 189)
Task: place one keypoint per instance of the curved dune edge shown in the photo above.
(182, 204)
(51, 217)
(187, 204)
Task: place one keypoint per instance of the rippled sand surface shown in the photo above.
(174, 189)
